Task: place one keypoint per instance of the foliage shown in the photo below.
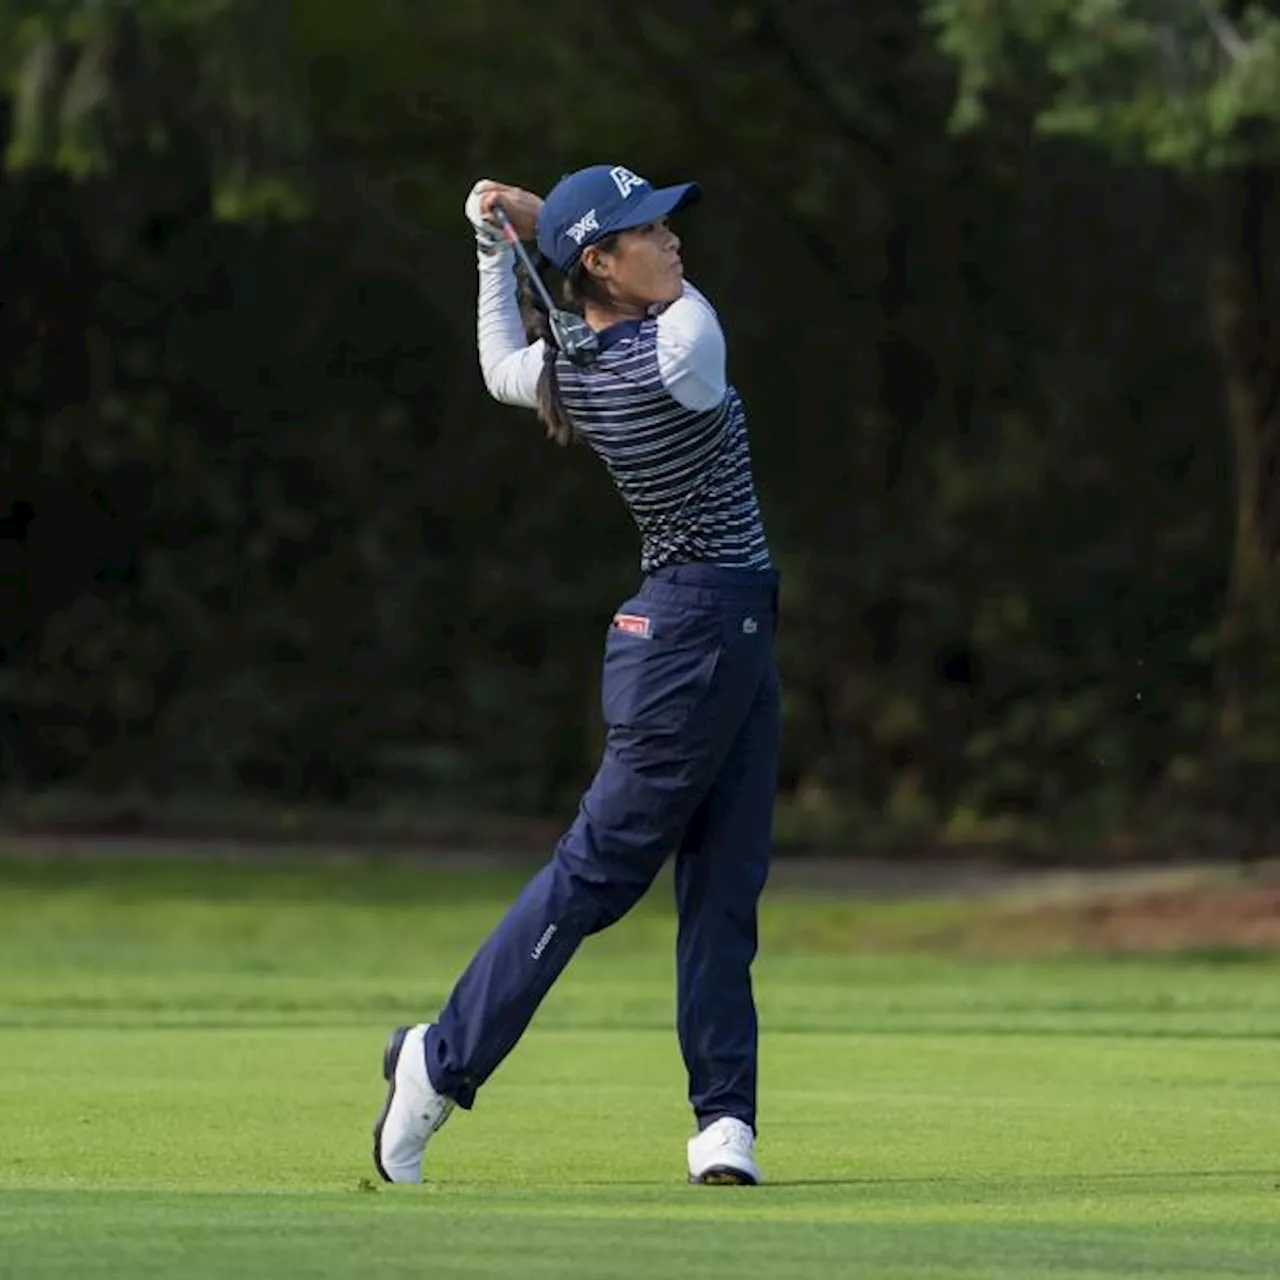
(262, 535)
(1194, 84)
(1195, 88)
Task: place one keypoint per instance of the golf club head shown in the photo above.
(574, 336)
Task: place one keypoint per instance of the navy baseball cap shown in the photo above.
(586, 206)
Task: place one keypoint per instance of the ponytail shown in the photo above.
(537, 324)
(555, 417)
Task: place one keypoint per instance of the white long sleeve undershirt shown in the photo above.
(690, 343)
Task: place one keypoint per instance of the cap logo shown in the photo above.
(625, 180)
(578, 232)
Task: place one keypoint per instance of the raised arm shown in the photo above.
(510, 364)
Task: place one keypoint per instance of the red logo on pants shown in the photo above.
(633, 624)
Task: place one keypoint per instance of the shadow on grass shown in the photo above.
(1135, 1178)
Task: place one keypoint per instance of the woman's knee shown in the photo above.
(597, 891)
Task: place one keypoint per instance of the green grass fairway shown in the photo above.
(189, 1067)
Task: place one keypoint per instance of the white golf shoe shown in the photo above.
(413, 1110)
(723, 1154)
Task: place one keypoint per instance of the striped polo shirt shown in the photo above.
(684, 475)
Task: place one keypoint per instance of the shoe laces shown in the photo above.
(736, 1135)
(441, 1115)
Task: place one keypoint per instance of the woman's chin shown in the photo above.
(671, 290)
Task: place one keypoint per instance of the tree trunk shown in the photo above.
(1244, 311)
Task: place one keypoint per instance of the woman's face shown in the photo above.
(642, 268)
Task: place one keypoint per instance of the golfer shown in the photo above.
(690, 691)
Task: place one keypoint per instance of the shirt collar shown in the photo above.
(619, 332)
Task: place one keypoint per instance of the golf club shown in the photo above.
(572, 334)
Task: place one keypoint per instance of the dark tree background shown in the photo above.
(265, 544)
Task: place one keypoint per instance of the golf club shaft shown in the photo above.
(500, 215)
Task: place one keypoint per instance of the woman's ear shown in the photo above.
(593, 260)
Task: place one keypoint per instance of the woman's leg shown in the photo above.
(720, 872)
(631, 818)
(628, 823)
(673, 699)
(676, 692)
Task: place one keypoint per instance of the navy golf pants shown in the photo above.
(690, 697)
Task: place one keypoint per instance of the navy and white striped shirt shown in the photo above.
(656, 409)
(684, 474)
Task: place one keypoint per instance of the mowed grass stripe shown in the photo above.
(189, 1064)
(439, 1236)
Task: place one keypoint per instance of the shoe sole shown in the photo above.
(723, 1176)
(390, 1056)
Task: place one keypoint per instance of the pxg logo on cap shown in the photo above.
(596, 202)
(626, 182)
(583, 227)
